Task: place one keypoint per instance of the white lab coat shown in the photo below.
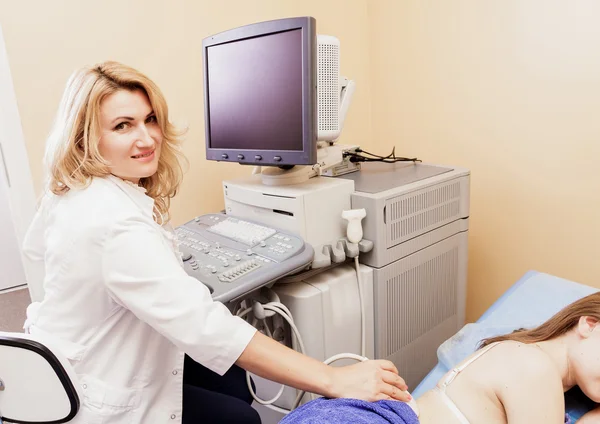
(120, 306)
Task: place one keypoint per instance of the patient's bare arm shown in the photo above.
(592, 417)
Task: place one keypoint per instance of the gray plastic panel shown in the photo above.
(420, 302)
(413, 215)
(416, 213)
(375, 177)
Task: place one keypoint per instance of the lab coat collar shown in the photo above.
(136, 193)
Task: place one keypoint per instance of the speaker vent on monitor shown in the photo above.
(328, 87)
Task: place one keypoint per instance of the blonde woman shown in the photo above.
(117, 301)
(519, 378)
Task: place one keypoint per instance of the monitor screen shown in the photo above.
(255, 93)
(260, 93)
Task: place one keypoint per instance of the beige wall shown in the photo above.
(511, 90)
(47, 40)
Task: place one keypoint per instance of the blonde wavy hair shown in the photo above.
(72, 157)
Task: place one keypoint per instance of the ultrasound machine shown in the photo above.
(319, 247)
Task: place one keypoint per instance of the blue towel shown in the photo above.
(343, 411)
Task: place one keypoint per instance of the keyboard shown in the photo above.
(242, 231)
(233, 256)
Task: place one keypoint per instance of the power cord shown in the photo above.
(361, 298)
(360, 155)
(354, 234)
(262, 311)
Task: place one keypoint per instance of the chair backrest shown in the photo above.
(37, 384)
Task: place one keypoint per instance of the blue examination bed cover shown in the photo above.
(529, 302)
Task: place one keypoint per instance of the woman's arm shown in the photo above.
(370, 380)
(592, 417)
(142, 274)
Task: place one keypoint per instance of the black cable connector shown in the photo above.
(359, 156)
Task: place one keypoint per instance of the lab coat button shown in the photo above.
(85, 386)
(173, 416)
(174, 372)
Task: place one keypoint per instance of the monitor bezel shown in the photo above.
(308, 154)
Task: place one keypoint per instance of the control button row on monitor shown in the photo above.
(257, 157)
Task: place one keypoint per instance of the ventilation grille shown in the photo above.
(418, 358)
(413, 215)
(421, 298)
(328, 82)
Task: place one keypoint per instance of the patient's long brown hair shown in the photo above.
(559, 324)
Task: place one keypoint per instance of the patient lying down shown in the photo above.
(519, 378)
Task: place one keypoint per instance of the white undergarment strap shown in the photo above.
(457, 413)
(455, 371)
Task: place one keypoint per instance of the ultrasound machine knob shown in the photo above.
(186, 256)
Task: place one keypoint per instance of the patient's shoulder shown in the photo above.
(525, 358)
(530, 387)
(523, 365)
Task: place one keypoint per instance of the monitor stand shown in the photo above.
(275, 176)
(330, 162)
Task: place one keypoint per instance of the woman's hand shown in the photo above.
(369, 380)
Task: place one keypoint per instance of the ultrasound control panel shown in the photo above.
(233, 256)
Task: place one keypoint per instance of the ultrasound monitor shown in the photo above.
(260, 93)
